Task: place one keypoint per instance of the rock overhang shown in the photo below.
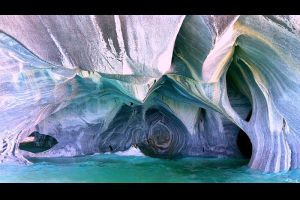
(91, 80)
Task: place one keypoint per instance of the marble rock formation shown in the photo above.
(171, 85)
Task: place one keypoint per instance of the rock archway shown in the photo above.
(173, 85)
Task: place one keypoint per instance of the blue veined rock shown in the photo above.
(171, 86)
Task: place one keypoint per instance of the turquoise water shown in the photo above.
(116, 168)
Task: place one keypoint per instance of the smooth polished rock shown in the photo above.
(171, 86)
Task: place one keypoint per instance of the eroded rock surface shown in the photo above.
(172, 86)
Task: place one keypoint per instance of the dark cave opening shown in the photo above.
(244, 144)
(239, 96)
(37, 142)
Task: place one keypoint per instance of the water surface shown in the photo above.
(138, 169)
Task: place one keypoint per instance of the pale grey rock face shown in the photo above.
(171, 85)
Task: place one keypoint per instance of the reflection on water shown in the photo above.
(116, 168)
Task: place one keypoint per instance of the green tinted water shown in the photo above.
(116, 168)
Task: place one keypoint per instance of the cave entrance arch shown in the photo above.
(240, 99)
(37, 142)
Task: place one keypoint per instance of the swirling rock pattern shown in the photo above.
(171, 85)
